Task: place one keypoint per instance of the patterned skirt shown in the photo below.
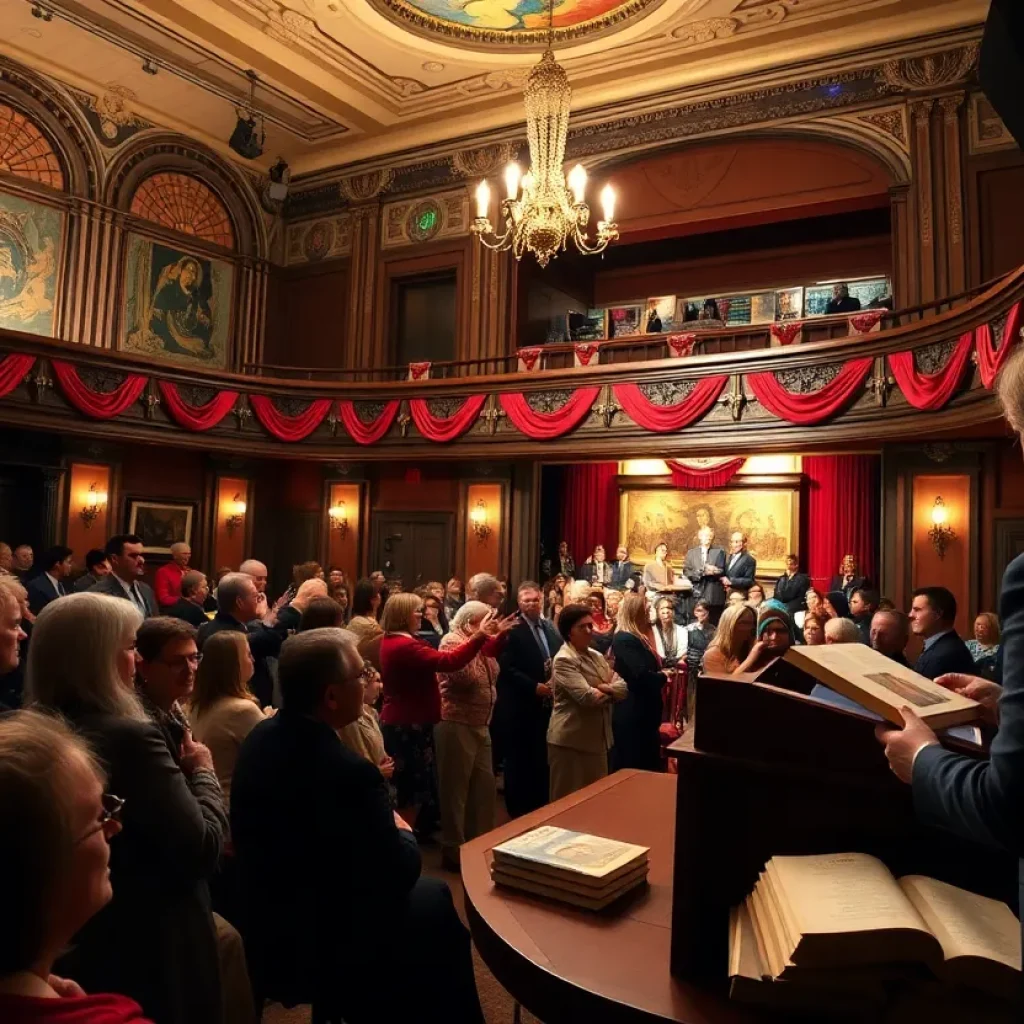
(415, 778)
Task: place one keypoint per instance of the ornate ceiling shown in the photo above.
(350, 81)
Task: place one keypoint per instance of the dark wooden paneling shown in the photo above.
(995, 214)
(306, 316)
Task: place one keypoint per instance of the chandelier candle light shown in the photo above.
(543, 209)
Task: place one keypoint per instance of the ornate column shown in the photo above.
(490, 304)
(91, 313)
(956, 250)
(922, 148)
(904, 256)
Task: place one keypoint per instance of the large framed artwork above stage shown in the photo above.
(31, 236)
(177, 304)
(766, 509)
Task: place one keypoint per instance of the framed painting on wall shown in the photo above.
(177, 305)
(160, 523)
(31, 237)
(768, 515)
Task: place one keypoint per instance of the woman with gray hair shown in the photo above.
(462, 739)
(155, 940)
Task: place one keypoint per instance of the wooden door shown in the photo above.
(412, 548)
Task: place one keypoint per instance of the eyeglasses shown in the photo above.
(110, 815)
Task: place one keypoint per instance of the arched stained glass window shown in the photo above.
(184, 204)
(25, 152)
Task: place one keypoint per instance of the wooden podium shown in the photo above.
(770, 771)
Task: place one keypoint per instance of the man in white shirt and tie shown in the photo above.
(126, 567)
(49, 584)
(703, 567)
(741, 567)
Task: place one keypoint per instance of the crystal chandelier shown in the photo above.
(543, 210)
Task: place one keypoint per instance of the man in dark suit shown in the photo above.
(932, 615)
(848, 580)
(740, 566)
(621, 576)
(863, 605)
(124, 552)
(704, 567)
(96, 567)
(524, 703)
(238, 604)
(189, 607)
(842, 301)
(347, 919)
(890, 630)
(596, 570)
(792, 586)
(56, 564)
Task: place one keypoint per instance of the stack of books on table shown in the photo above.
(573, 867)
(839, 929)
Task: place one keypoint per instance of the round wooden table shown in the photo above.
(565, 964)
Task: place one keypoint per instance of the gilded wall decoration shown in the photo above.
(177, 304)
(411, 221)
(986, 129)
(311, 241)
(482, 161)
(31, 237)
(891, 122)
(110, 115)
(361, 188)
(934, 71)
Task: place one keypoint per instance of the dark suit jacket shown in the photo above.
(982, 800)
(521, 669)
(589, 572)
(155, 940)
(948, 654)
(621, 574)
(743, 574)
(41, 592)
(85, 582)
(635, 720)
(187, 611)
(857, 583)
(111, 585)
(264, 642)
(314, 817)
(708, 588)
(793, 592)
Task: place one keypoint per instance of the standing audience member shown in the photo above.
(13, 599)
(155, 940)
(452, 597)
(289, 618)
(733, 641)
(601, 638)
(621, 577)
(814, 630)
(57, 822)
(363, 624)
(22, 562)
(596, 569)
(636, 720)
(124, 552)
(583, 690)
(431, 629)
(189, 607)
(792, 586)
(343, 599)
(484, 587)
(863, 605)
(670, 639)
(462, 739)
(699, 635)
(321, 613)
(842, 631)
(364, 736)
(317, 819)
(336, 579)
(524, 703)
(890, 631)
(704, 568)
(848, 580)
(554, 598)
(658, 574)
(256, 570)
(566, 563)
(167, 579)
(237, 607)
(96, 567)
(412, 700)
(740, 565)
(932, 615)
(57, 564)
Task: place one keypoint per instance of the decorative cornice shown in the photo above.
(934, 71)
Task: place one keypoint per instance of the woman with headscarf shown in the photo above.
(774, 636)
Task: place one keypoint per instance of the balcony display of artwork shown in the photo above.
(31, 235)
(660, 316)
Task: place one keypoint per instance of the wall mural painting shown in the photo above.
(769, 517)
(177, 305)
(31, 235)
(515, 15)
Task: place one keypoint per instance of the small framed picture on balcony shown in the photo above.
(589, 326)
(659, 317)
(625, 321)
(789, 304)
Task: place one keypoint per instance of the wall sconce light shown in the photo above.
(478, 517)
(95, 502)
(941, 533)
(237, 517)
(339, 519)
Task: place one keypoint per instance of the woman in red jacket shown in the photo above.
(412, 698)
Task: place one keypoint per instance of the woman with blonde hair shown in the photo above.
(412, 699)
(733, 640)
(636, 720)
(462, 739)
(155, 940)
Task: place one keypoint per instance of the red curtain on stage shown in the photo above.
(814, 406)
(990, 361)
(696, 478)
(98, 405)
(445, 428)
(196, 417)
(668, 418)
(367, 433)
(543, 426)
(12, 371)
(289, 428)
(589, 509)
(931, 391)
(844, 494)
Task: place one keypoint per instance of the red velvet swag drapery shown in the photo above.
(289, 428)
(542, 426)
(100, 406)
(12, 371)
(931, 391)
(664, 419)
(990, 360)
(589, 509)
(445, 428)
(815, 406)
(196, 417)
(843, 499)
(696, 479)
(367, 433)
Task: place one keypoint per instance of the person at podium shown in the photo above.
(978, 800)
(704, 567)
(658, 575)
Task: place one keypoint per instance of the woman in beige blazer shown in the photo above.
(583, 689)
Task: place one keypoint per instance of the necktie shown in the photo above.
(542, 640)
(60, 589)
(137, 598)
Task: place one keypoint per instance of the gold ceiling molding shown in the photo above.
(361, 188)
(414, 221)
(325, 238)
(985, 127)
(933, 71)
(705, 31)
(482, 161)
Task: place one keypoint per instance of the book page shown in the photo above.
(843, 892)
(965, 923)
(773, 892)
(768, 940)
(571, 851)
(744, 959)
